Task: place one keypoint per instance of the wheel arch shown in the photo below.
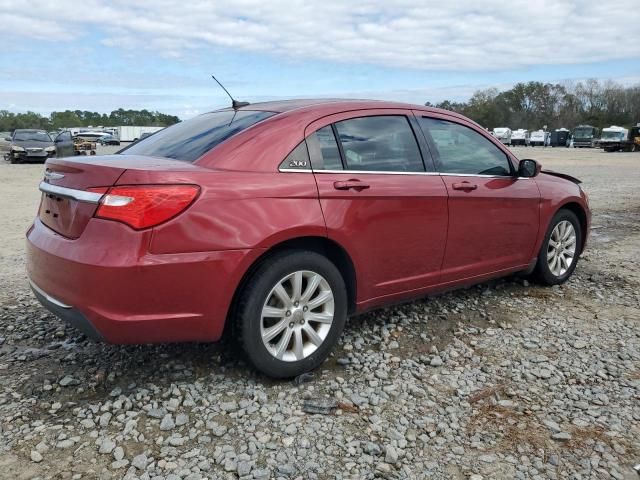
(579, 211)
(322, 245)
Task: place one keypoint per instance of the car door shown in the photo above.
(493, 214)
(5, 143)
(64, 145)
(379, 200)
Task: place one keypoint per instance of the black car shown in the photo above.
(30, 145)
(108, 140)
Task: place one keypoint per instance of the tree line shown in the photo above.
(535, 104)
(78, 118)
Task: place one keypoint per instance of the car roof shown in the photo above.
(328, 105)
(291, 119)
(29, 130)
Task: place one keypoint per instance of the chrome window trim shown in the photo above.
(475, 175)
(375, 172)
(79, 195)
(363, 172)
(379, 172)
(295, 170)
(47, 296)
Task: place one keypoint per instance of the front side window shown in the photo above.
(323, 150)
(191, 139)
(462, 150)
(383, 143)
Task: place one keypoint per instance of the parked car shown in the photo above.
(143, 136)
(30, 145)
(503, 134)
(64, 144)
(108, 140)
(279, 220)
(5, 143)
(520, 137)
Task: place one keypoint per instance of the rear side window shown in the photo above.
(298, 159)
(191, 139)
(381, 143)
(323, 150)
(462, 150)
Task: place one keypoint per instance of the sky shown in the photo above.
(159, 54)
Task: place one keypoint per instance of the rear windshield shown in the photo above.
(191, 139)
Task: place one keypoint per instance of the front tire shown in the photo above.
(560, 250)
(291, 313)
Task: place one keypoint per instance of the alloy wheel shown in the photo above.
(561, 250)
(297, 316)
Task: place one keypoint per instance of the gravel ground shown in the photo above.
(503, 380)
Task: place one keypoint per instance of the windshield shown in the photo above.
(612, 135)
(32, 137)
(583, 133)
(191, 139)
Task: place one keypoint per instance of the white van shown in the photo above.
(503, 134)
(539, 138)
(520, 136)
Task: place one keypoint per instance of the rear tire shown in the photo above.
(291, 313)
(560, 250)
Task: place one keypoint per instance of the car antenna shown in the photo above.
(235, 104)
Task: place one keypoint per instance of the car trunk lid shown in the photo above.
(72, 187)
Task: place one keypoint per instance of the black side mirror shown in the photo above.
(528, 168)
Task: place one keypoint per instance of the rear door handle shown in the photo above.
(352, 184)
(466, 186)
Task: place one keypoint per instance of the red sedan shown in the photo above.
(278, 220)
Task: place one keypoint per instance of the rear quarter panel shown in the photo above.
(236, 210)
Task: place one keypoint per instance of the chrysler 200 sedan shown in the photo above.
(276, 221)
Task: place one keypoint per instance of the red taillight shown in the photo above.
(144, 206)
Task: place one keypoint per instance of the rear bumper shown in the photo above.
(66, 313)
(109, 286)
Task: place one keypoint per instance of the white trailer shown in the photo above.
(503, 134)
(129, 133)
(520, 136)
(539, 138)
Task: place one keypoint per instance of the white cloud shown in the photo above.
(459, 35)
